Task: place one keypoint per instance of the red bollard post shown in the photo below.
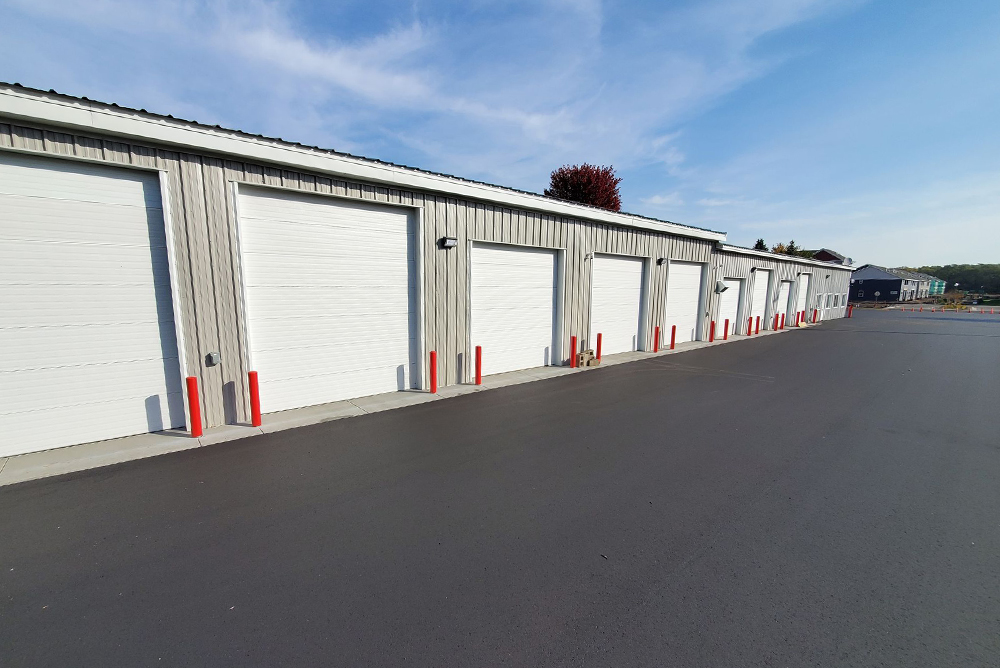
(673, 336)
(782, 321)
(749, 325)
(194, 406)
(599, 337)
(850, 310)
(775, 328)
(656, 340)
(434, 372)
(815, 314)
(756, 329)
(479, 365)
(572, 352)
(725, 335)
(254, 399)
(711, 332)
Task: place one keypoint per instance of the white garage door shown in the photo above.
(513, 295)
(683, 300)
(87, 343)
(758, 302)
(729, 306)
(330, 297)
(616, 303)
(781, 306)
(800, 299)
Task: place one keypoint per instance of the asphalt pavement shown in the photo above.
(828, 497)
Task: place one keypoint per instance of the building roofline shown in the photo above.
(729, 248)
(79, 113)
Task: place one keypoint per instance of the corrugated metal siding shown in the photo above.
(203, 222)
(729, 264)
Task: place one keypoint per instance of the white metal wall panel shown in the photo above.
(87, 343)
(683, 300)
(782, 305)
(802, 298)
(729, 306)
(330, 297)
(616, 303)
(513, 309)
(758, 302)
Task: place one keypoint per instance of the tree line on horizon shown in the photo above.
(791, 248)
(971, 277)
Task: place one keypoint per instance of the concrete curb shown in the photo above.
(86, 456)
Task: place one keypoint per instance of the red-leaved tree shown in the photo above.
(586, 184)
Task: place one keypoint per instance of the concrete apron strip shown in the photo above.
(73, 458)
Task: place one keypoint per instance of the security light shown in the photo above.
(448, 242)
(661, 261)
(720, 287)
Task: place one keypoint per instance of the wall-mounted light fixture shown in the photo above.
(720, 287)
(661, 261)
(447, 242)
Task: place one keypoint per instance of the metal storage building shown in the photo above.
(139, 249)
(769, 284)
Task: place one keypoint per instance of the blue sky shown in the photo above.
(867, 127)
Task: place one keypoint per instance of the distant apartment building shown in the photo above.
(870, 282)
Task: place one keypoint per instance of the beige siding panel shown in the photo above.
(221, 242)
(143, 156)
(89, 148)
(203, 285)
(116, 152)
(183, 267)
(58, 143)
(27, 138)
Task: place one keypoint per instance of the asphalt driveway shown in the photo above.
(828, 497)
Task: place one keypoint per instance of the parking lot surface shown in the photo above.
(826, 497)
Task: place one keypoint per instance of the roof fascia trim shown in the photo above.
(95, 117)
(786, 258)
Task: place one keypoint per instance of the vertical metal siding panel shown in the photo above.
(233, 171)
(222, 253)
(116, 152)
(58, 143)
(290, 179)
(460, 290)
(254, 174)
(143, 156)
(307, 182)
(272, 176)
(85, 147)
(186, 299)
(27, 138)
(5, 139)
(501, 223)
(203, 280)
(324, 185)
(435, 303)
(449, 349)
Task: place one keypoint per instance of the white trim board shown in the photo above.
(67, 112)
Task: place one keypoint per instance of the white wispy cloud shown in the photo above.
(553, 90)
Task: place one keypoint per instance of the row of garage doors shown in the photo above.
(331, 299)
